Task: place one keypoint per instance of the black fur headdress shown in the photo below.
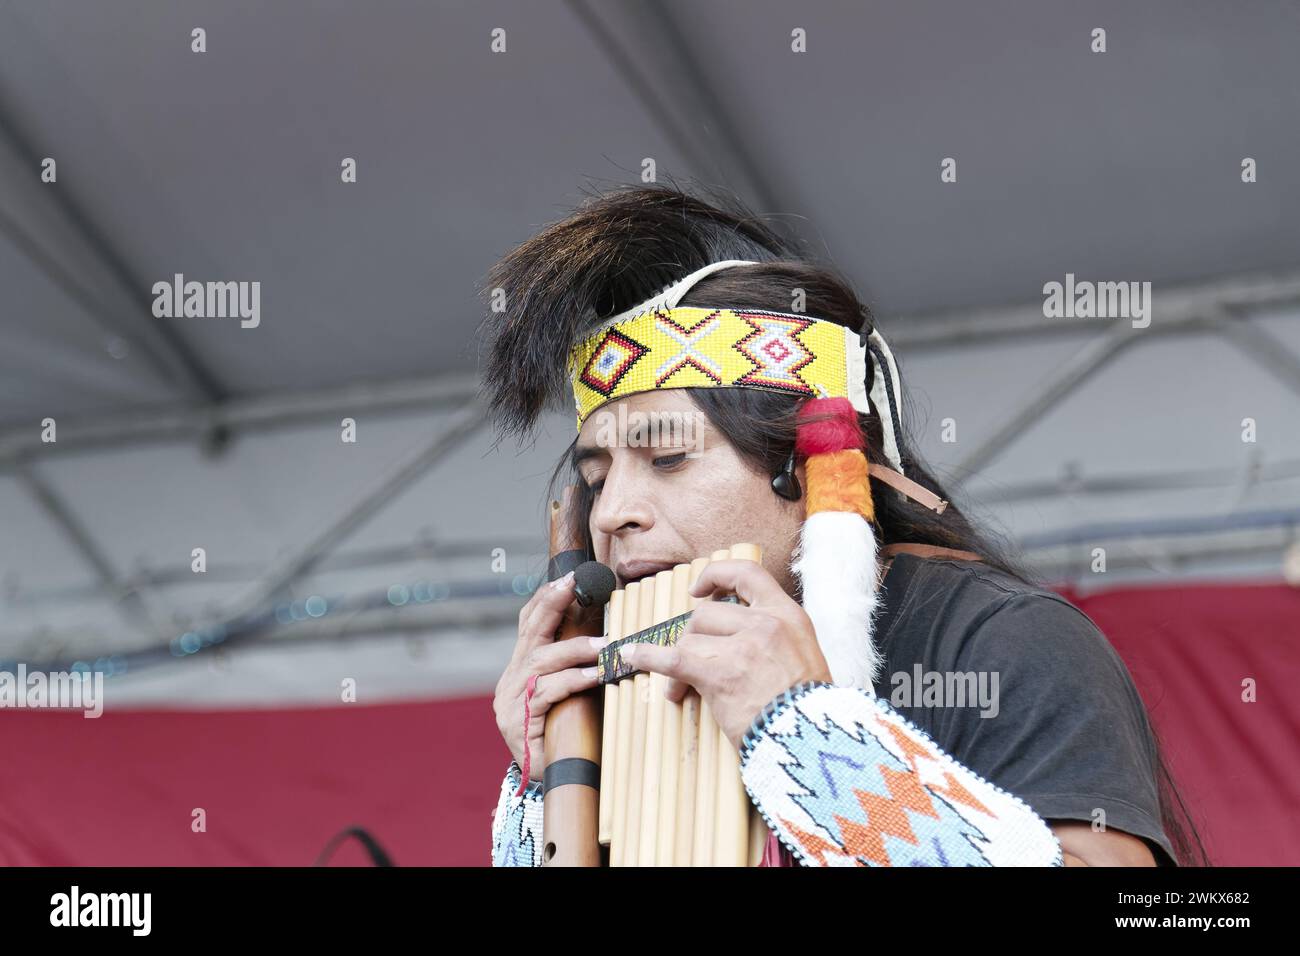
(614, 251)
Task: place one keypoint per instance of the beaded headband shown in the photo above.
(690, 347)
(659, 344)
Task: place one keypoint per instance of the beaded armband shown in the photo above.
(517, 823)
(844, 780)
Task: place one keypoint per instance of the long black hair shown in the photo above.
(618, 249)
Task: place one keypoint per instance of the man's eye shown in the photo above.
(668, 461)
(663, 462)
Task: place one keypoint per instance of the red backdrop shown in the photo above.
(275, 785)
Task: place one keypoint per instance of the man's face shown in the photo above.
(670, 489)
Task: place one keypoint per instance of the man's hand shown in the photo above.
(739, 658)
(562, 669)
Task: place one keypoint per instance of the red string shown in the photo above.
(528, 752)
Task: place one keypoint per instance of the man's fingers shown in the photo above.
(676, 691)
(719, 618)
(746, 579)
(672, 661)
(547, 659)
(541, 615)
(556, 656)
(550, 689)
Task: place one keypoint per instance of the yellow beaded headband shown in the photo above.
(691, 347)
(660, 344)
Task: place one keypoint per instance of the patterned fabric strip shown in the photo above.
(844, 780)
(611, 667)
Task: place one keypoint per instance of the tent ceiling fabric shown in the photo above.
(225, 166)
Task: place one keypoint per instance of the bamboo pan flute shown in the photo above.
(671, 793)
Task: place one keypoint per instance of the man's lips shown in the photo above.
(629, 571)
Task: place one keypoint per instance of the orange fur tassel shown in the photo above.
(837, 481)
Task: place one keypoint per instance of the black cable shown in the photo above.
(375, 851)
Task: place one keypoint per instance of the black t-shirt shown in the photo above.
(1064, 728)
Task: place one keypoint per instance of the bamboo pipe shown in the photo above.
(640, 708)
(652, 771)
(706, 784)
(689, 750)
(623, 738)
(609, 725)
(670, 763)
(731, 846)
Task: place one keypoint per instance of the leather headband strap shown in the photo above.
(908, 487)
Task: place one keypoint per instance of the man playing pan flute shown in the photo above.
(650, 302)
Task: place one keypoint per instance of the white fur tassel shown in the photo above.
(836, 564)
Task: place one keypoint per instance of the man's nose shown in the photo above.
(623, 504)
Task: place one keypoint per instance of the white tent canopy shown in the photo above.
(183, 433)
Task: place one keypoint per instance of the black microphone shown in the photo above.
(593, 583)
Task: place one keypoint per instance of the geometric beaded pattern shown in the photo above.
(609, 363)
(690, 347)
(774, 348)
(517, 823)
(845, 780)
